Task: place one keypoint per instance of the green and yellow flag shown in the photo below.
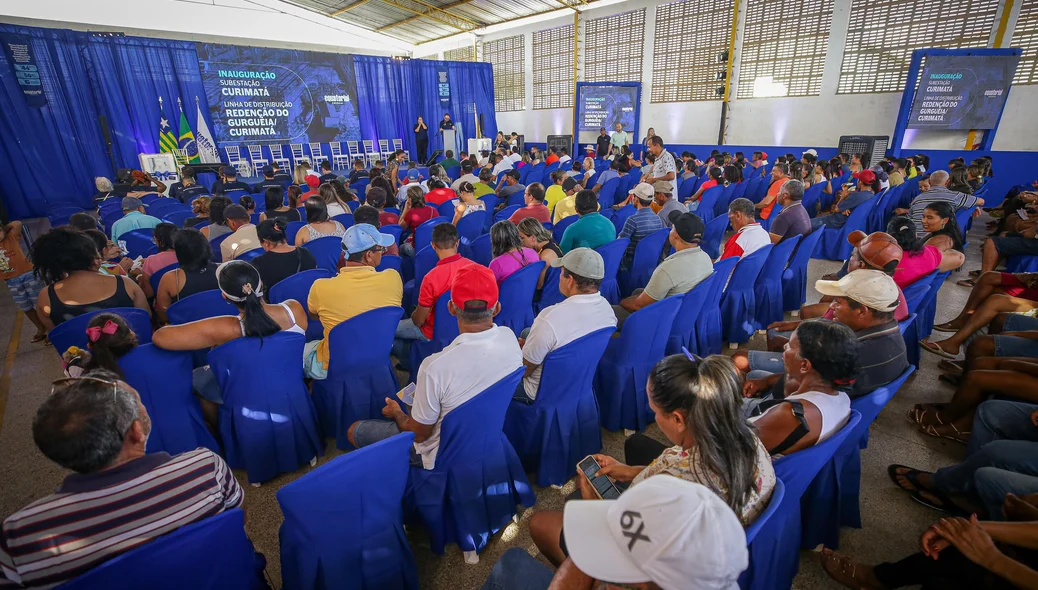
(167, 141)
(187, 138)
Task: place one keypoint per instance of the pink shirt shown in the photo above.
(157, 262)
(506, 264)
(916, 266)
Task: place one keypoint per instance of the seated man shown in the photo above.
(479, 357)
(999, 248)
(279, 174)
(356, 289)
(244, 238)
(583, 311)
(117, 497)
(567, 205)
(592, 230)
(535, 206)
(848, 200)
(864, 301)
(938, 191)
(370, 215)
(641, 224)
(268, 181)
(793, 219)
(485, 184)
(466, 176)
(358, 173)
(133, 218)
(678, 273)
(326, 172)
(229, 182)
(188, 188)
(437, 282)
(377, 199)
(510, 185)
(749, 236)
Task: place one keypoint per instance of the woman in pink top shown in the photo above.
(509, 253)
(918, 260)
(163, 238)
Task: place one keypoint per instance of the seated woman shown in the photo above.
(109, 338)
(820, 356)
(217, 223)
(509, 253)
(918, 259)
(697, 406)
(200, 207)
(941, 227)
(332, 202)
(240, 284)
(467, 202)
(197, 272)
(716, 175)
(248, 202)
(318, 222)
(537, 238)
(274, 198)
(68, 262)
(415, 213)
(279, 260)
(114, 263)
(166, 256)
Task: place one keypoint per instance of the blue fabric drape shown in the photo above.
(393, 93)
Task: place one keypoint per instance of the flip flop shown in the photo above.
(934, 349)
(912, 475)
(966, 283)
(975, 273)
(39, 338)
(953, 366)
(945, 327)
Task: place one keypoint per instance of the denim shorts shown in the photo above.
(311, 366)
(369, 432)
(25, 288)
(1015, 345)
(770, 362)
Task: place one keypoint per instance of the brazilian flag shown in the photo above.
(187, 140)
(167, 141)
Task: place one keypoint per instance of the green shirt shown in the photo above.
(590, 231)
(449, 163)
(619, 139)
(679, 273)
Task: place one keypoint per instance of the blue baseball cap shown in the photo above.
(364, 236)
(413, 174)
(267, 170)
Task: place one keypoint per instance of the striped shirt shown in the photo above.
(95, 517)
(636, 227)
(937, 193)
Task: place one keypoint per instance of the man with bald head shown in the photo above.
(939, 192)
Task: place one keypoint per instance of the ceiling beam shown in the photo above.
(442, 9)
(415, 6)
(349, 7)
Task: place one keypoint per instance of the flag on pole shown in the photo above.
(205, 145)
(187, 138)
(167, 142)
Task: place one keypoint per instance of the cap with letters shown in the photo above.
(674, 533)
(584, 262)
(364, 236)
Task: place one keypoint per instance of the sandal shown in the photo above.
(842, 569)
(962, 436)
(932, 348)
(918, 413)
(38, 338)
(966, 283)
(946, 326)
(952, 366)
(975, 273)
(936, 500)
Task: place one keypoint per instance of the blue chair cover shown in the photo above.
(1022, 264)
(928, 309)
(777, 494)
(214, 245)
(394, 230)
(293, 228)
(155, 278)
(612, 254)
(248, 256)
(73, 332)
(621, 215)
(646, 258)
(550, 294)
(163, 380)
(627, 182)
(138, 241)
(211, 553)
(508, 211)
(739, 303)
(327, 251)
(708, 202)
(560, 228)
(561, 427)
(481, 250)
(713, 235)
(424, 261)
(915, 294)
(340, 531)
(794, 277)
(832, 499)
(810, 200)
(423, 233)
(267, 420)
(446, 209)
(766, 223)
(721, 204)
(207, 304)
(445, 330)
(391, 262)
(471, 226)
(478, 480)
(708, 324)
(912, 346)
(607, 194)
(516, 295)
(360, 378)
(686, 190)
(834, 245)
(775, 550)
(683, 330)
(297, 287)
(768, 289)
(346, 219)
(625, 365)
(178, 218)
(454, 172)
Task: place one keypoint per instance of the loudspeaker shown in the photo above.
(432, 160)
(481, 127)
(560, 141)
(874, 145)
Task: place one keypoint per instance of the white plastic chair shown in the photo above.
(383, 147)
(298, 155)
(370, 153)
(317, 153)
(354, 149)
(234, 159)
(277, 155)
(340, 161)
(256, 155)
(398, 144)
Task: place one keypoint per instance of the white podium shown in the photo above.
(450, 140)
(482, 144)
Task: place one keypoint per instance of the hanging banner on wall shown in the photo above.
(962, 91)
(259, 95)
(23, 62)
(443, 87)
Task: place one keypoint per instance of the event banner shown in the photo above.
(23, 62)
(259, 95)
(605, 106)
(443, 87)
(962, 91)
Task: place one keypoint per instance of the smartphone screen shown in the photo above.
(605, 488)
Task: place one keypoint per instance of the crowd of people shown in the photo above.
(724, 419)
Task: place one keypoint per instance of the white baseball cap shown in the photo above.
(872, 288)
(675, 533)
(643, 191)
(811, 151)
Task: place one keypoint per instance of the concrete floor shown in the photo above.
(892, 522)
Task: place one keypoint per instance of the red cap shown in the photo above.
(474, 288)
(764, 155)
(866, 176)
(312, 181)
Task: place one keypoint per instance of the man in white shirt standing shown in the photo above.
(583, 311)
(479, 357)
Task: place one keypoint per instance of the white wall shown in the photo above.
(816, 120)
(264, 23)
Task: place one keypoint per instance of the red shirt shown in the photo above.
(416, 217)
(539, 212)
(773, 191)
(439, 196)
(388, 218)
(308, 194)
(436, 283)
(551, 159)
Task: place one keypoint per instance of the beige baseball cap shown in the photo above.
(872, 288)
(584, 262)
(643, 191)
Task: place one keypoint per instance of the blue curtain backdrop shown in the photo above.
(392, 93)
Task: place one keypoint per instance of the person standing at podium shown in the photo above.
(447, 125)
(421, 139)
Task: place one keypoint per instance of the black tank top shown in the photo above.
(196, 282)
(62, 312)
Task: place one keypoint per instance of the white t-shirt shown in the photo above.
(503, 166)
(335, 209)
(464, 178)
(401, 193)
(461, 371)
(515, 158)
(564, 159)
(560, 324)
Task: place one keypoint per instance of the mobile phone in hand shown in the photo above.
(605, 488)
(406, 395)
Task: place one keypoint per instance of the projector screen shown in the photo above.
(258, 95)
(605, 105)
(962, 91)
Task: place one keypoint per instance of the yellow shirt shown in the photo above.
(553, 195)
(479, 189)
(895, 178)
(355, 290)
(565, 208)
